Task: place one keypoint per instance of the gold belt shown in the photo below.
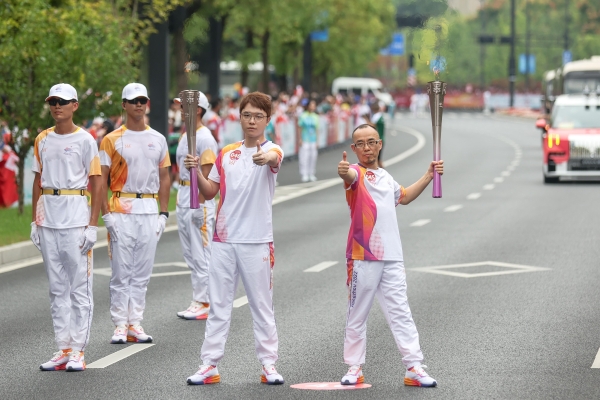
(137, 195)
(184, 183)
(67, 192)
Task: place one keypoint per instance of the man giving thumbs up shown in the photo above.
(245, 174)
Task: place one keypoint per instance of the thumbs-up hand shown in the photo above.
(343, 166)
(259, 158)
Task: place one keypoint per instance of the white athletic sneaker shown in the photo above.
(181, 313)
(305, 178)
(120, 335)
(76, 362)
(58, 362)
(198, 311)
(313, 178)
(136, 333)
(207, 374)
(353, 376)
(416, 376)
(270, 376)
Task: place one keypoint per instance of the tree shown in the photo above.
(95, 46)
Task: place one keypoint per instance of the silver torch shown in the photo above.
(436, 91)
(189, 105)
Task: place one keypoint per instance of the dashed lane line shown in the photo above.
(473, 196)
(596, 363)
(420, 222)
(321, 266)
(489, 186)
(119, 355)
(453, 208)
(499, 179)
(242, 301)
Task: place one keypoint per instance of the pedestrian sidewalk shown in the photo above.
(26, 251)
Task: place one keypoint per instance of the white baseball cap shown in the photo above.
(202, 101)
(134, 90)
(63, 91)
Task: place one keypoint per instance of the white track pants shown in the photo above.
(307, 158)
(131, 260)
(254, 264)
(70, 277)
(387, 280)
(196, 243)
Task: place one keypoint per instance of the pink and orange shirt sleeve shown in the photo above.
(363, 214)
(279, 158)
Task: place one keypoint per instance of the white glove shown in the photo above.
(109, 222)
(198, 216)
(35, 236)
(88, 239)
(160, 226)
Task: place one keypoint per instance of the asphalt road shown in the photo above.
(528, 335)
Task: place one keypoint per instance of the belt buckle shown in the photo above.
(56, 192)
(82, 192)
(118, 195)
(138, 195)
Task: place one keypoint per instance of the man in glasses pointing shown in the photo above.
(136, 158)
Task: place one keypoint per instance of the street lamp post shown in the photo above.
(511, 63)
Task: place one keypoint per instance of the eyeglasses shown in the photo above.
(257, 117)
(141, 100)
(61, 102)
(370, 143)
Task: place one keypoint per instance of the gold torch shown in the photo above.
(436, 91)
(189, 105)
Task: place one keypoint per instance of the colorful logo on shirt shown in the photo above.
(371, 177)
(234, 156)
(68, 151)
(151, 146)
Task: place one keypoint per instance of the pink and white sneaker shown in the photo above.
(136, 333)
(181, 313)
(197, 311)
(416, 376)
(76, 362)
(270, 376)
(120, 335)
(58, 362)
(353, 376)
(206, 375)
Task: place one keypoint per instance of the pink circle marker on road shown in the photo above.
(329, 386)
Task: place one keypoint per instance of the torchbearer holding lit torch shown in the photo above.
(195, 215)
(436, 91)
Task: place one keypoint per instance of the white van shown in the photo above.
(362, 87)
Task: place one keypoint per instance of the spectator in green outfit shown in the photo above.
(378, 121)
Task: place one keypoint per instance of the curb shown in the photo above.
(21, 251)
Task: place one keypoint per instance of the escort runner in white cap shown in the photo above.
(64, 227)
(245, 173)
(136, 158)
(196, 226)
(375, 263)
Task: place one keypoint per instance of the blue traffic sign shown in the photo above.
(523, 64)
(320, 36)
(567, 57)
(396, 47)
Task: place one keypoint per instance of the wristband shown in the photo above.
(166, 214)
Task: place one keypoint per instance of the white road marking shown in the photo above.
(510, 168)
(489, 186)
(119, 355)
(473, 196)
(237, 303)
(513, 269)
(505, 173)
(596, 363)
(499, 179)
(453, 208)
(420, 222)
(321, 266)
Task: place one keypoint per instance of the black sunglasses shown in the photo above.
(60, 102)
(141, 100)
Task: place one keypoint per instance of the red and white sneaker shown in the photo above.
(76, 362)
(270, 376)
(416, 376)
(353, 376)
(120, 335)
(58, 362)
(197, 311)
(206, 375)
(136, 333)
(181, 313)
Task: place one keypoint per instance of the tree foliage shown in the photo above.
(89, 44)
